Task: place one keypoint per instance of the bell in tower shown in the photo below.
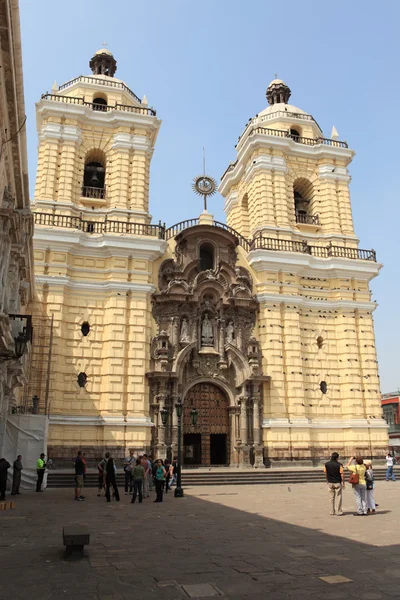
(103, 63)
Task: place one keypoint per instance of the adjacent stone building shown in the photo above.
(16, 222)
(263, 325)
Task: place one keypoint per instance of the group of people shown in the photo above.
(16, 482)
(361, 479)
(141, 477)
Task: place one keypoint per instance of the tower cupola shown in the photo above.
(278, 92)
(103, 63)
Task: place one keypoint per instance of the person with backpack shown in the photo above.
(370, 485)
(111, 480)
(160, 481)
(357, 480)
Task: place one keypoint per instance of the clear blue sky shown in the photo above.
(205, 64)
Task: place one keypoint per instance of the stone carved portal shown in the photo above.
(208, 442)
(205, 352)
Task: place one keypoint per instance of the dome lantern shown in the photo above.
(103, 63)
(278, 92)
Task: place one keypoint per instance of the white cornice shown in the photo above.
(334, 173)
(311, 303)
(231, 201)
(58, 132)
(84, 420)
(266, 163)
(111, 119)
(95, 286)
(312, 266)
(324, 424)
(88, 244)
(248, 144)
(127, 141)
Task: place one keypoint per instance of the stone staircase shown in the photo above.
(218, 476)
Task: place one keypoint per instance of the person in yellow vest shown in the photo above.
(40, 468)
(358, 483)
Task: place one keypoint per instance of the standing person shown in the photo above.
(4, 466)
(390, 460)
(129, 463)
(145, 465)
(369, 480)
(111, 479)
(174, 471)
(40, 469)
(334, 473)
(168, 474)
(138, 475)
(359, 485)
(101, 469)
(160, 480)
(150, 473)
(80, 467)
(17, 469)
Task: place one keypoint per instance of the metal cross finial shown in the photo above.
(104, 44)
(276, 75)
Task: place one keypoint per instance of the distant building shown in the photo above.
(391, 413)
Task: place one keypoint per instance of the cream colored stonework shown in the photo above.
(315, 319)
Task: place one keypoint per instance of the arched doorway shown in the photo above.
(207, 443)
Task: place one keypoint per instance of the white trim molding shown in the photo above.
(266, 163)
(80, 243)
(324, 424)
(231, 201)
(333, 172)
(95, 421)
(95, 286)
(307, 265)
(311, 303)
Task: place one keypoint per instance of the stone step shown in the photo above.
(292, 476)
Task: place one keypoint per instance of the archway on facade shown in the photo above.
(208, 442)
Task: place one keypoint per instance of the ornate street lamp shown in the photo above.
(194, 416)
(20, 343)
(178, 489)
(164, 412)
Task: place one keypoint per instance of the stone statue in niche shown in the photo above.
(184, 336)
(207, 336)
(230, 333)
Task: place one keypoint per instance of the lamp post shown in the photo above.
(178, 490)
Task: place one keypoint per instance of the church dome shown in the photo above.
(278, 92)
(103, 51)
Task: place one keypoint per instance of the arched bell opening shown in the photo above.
(94, 175)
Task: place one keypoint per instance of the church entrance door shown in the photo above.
(208, 442)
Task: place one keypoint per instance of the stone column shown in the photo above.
(233, 436)
(258, 445)
(244, 448)
(160, 448)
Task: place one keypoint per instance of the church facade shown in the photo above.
(263, 325)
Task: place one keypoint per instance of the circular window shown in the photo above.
(320, 342)
(85, 328)
(323, 386)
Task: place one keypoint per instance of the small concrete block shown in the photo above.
(6, 505)
(200, 590)
(335, 579)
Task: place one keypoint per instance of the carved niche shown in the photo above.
(205, 312)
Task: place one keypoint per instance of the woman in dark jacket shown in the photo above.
(17, 475)
(110, 478)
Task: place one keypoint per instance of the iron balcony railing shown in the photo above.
(104, 226)
(298, 138)
(259, 242)
(307, 219)
(93, 192)
(140, 110)
(109, 82)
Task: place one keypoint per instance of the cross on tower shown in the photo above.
(104, 44)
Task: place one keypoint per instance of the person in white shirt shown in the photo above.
(390, 461)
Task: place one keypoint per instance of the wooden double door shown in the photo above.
(207, 443)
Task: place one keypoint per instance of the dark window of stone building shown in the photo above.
(94, 175)
(294, 133)
(206, 257)
(85, 328)
(320, 342)
(323, 386)
(99, 104)
(82, 379)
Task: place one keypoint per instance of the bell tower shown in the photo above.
(287, 193)
(94, 248)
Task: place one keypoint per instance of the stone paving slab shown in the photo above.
(235, 542)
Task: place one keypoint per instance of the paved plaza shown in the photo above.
(232, 542)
